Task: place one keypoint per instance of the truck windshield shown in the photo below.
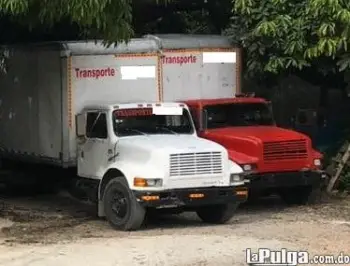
(141, 121)
(238, 115)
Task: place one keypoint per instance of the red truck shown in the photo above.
(276, 160)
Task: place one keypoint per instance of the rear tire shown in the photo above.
(122, 210)
(217, 214)
(301, 195)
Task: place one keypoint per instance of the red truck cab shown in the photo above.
(276, 160)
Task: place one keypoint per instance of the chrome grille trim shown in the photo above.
(193, 164)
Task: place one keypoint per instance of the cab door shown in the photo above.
(93, 150)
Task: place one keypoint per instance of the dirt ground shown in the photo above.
(57, 230)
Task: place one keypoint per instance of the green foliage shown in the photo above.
(187, 22)
(344, 181)
(106, 19)
(282, 35)
(182, 16)
(197, 22)
(96, 19)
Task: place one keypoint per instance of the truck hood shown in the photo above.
(171, 143)
(152, 154)
(257, 133)
(244, 144)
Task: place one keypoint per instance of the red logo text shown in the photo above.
(190, 59)
(95, 73)
(133, 112)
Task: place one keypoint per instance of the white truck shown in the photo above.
(80, 105)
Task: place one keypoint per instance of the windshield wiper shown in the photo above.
(166, 129)
(135, 130)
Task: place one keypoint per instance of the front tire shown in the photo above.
(217, 214)
(122, 210)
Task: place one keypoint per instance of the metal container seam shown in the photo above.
(69, 95)
(160, 78)
(238, 70)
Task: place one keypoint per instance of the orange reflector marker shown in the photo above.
(140, 182)
(243, 192)
(150, 198)
(196, 195)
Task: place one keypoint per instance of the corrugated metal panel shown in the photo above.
(183, 41)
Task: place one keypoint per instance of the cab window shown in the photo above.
(96, 125)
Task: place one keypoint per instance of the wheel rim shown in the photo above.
(119, 204)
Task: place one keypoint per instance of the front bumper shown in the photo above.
(286, 179)
(192, 197)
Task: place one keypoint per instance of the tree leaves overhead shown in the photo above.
(107, 19)
(182, 16)
(284, 35)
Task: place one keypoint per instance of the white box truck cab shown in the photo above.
(79, 105)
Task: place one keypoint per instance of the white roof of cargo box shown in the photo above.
(182, 41)
(149, 43)
(97, 47)
(146, 44)
(127, 105)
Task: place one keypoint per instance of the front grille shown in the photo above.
(190, 164)
(285, 150)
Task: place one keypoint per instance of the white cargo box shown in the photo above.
(199, 67)
(49, 83)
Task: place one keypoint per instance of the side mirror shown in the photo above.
(80, 125)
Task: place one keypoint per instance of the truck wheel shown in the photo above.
(301, 195)
(122, 210)
(217, 214)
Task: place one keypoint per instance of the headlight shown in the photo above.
(147, 182)
(234, 178)
(248, 167)
(317, 162)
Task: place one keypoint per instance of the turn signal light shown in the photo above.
(242, 192)
(147, 182)
(140, 182)
(196, 195)
(150, 198)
